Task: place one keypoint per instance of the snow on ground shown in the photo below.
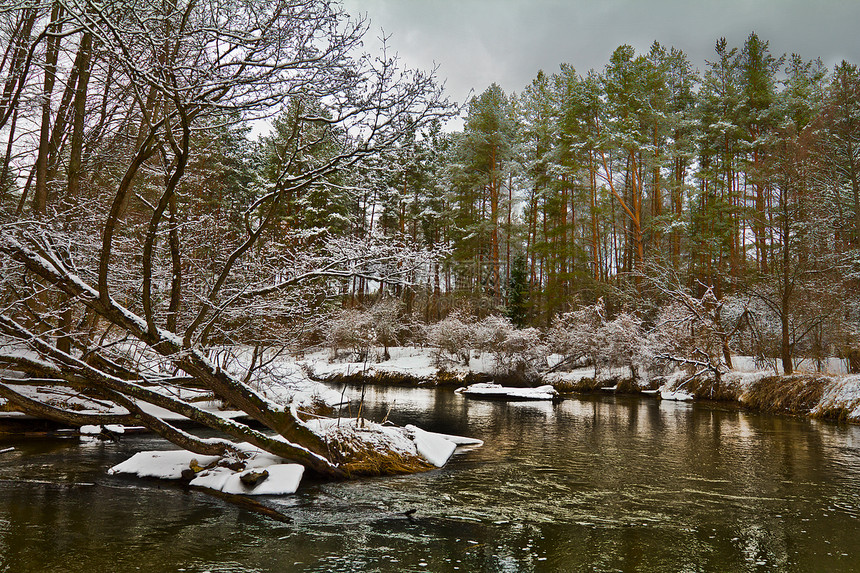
(745, 380)
(410, 361)
(303, 392)
(844, 394)
(673, 388)
(831, 365)
(405, 360)
(361, 432)
(490, 390)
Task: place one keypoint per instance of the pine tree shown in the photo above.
(486, 146)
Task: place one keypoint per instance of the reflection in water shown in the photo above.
(603, 483)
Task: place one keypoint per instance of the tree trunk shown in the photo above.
(40, 194)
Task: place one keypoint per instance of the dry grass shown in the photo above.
(8, 407)
(706, 387)
(442, 378)
(835, 413)
(316, 409)
(382, 378)
(628, 386)
(449, 378)
(795, 394)
(375, 463)
(624, 385)
(366, 450)
(583, 385)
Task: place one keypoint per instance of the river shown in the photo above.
(599, 483)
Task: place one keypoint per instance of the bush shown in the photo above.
(453, 337)
(352, 330)
(522, 353)
(491, 332)
(361, 331)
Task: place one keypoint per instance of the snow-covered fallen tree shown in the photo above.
(156, 248)
(378, 448)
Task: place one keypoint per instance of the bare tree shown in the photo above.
(165, 75)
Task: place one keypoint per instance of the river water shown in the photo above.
(598, 483)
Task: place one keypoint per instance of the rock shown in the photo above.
(252, 478)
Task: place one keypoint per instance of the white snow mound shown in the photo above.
(432, 447)
(677, 395)
(490, 390)
(164, 465)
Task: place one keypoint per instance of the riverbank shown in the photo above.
(830, 397)
(822, 396)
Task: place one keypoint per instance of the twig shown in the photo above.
(361, 405)
(385, 419)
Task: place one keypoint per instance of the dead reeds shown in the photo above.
(795, 394)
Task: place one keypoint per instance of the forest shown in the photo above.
(642, 184)
(189, 191)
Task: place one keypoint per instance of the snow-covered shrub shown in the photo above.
(453, 337)
(352, 330)
(622, 341)
(695, 333)
(361, 331)
(574, 335)
(387, 328)
(521, 353)
(587, 335)
(491, 332)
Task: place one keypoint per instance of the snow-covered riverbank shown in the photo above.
(828, 396)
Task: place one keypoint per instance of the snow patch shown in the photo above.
(411, 440)
(91, 430)
(677, 395)
(432, 447)
(491, 390)
(843, 394)
(282, 478)
(161, 464)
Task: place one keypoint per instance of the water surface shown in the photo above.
(594, 484)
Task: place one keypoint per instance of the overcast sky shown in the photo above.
(477, 42)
